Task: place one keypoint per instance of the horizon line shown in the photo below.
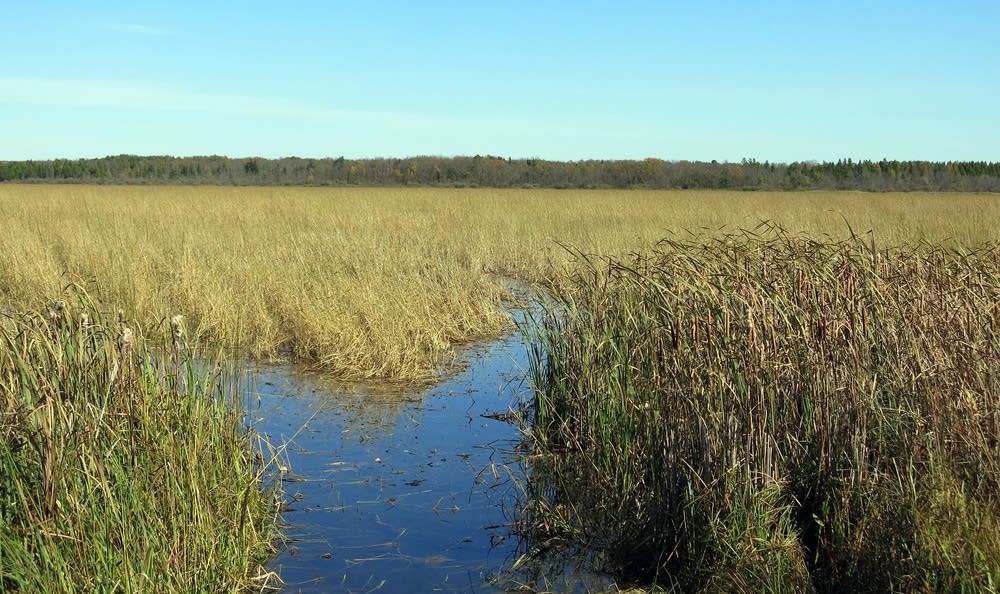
(744, 161)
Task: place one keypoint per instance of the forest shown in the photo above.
(504, 172)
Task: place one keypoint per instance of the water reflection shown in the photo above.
(394, 491)
(403, 491)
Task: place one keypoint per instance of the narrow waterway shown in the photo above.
(394, 491)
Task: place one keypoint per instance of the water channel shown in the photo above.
(395, 491)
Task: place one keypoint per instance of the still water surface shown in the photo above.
(401, 491)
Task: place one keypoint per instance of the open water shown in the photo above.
(396, 491)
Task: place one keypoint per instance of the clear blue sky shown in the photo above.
(778, 81)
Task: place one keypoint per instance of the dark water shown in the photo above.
(402, 491)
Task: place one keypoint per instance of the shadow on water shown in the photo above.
(404, 491)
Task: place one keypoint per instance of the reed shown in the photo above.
(124, 462)
(382, 283)
(724, 412)
(769, 412)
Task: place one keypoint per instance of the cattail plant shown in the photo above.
(98, 490)
(177, 334)
(57, 313)
(126, 343)
(769, 412)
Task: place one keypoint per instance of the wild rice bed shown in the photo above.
(384, 282)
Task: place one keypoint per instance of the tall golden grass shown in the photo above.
(383, 282)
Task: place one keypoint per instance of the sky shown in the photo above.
(775, 81)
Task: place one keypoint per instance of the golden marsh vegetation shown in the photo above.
(803, 405)
(383, 282)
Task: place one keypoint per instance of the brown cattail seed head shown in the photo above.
(177, 325)
(56, 313)
(177, 330)
(125, 341)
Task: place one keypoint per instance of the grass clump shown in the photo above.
(767, 412)
(124, 464)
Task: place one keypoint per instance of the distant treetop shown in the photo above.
(504, 172)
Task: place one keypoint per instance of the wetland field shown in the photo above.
(713, 391)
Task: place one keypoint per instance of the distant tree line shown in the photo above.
(499, 172)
